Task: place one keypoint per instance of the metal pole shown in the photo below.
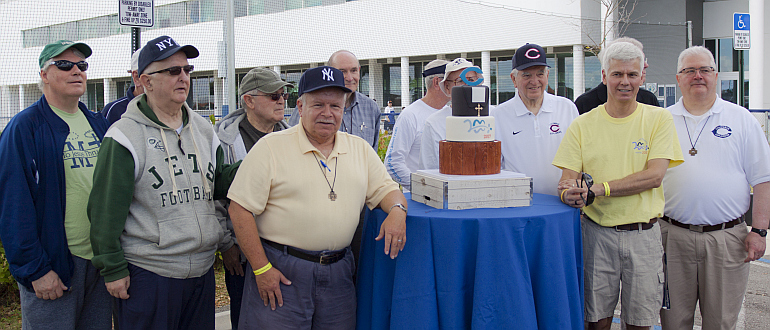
(230, 49)
(740, 86)
(136, 39)
(689, 34)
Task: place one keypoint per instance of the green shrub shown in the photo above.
(382, 148)
(5, 273)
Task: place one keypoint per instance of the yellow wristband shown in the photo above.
(263, 269)
(562, 196)
(606, 189)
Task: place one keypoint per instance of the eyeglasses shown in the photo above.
(65, 65)
(704, 70)
(176, 70)
(274, 96)
(460, 80)
(586, 179)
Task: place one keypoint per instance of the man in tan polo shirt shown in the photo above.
(295, 217)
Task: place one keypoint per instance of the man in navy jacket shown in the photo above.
(48, 153)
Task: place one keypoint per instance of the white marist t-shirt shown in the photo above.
(403, 155)
(712, 187)
(432, 133)
(529, 142)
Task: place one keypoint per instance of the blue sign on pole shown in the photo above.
(741, 21)
(741, 31)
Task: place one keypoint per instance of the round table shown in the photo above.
(475, 269)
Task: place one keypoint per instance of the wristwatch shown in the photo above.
(761, 232)
(399, 205)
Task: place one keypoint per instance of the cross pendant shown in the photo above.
(693, 152)
(332, 196)
(478, 110)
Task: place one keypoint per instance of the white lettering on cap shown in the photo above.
(327, 74)
(532, 56)
(161, 45)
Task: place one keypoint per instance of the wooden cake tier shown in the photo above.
(469, 158)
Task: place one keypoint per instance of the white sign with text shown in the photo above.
(136, 12)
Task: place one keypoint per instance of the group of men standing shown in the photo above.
(122, 213)
(129, 218)
(649, 200)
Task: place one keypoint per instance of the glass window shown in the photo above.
(212, 10)
(95, 92)
(292, 77)
(240, 8)
(551, 60)
(593, 72)
(415, 85)
(293, 4)
(193, 11)
(505, 89)
(256, 7)
(729, 91)
(564, 76)
(363, 83)
(711, 44)
(313, 3)
(726, 55)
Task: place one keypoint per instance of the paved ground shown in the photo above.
(754, 316)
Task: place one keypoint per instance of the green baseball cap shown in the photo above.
(264, 80)
(54, 49)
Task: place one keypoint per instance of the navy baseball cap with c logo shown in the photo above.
(321, 77)
(529, 55)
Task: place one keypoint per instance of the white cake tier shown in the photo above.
(467, 129)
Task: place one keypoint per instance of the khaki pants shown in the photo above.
(707, 268)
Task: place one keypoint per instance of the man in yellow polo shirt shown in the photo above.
(295, 205)
(627, 148)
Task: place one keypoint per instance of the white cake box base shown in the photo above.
(459, 192)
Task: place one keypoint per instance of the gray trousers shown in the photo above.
(86, 305)
(319, 297)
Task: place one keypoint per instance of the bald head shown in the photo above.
(347, 62)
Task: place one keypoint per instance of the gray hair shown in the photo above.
(47, 65)
(693, 51)
(515, 72)
(621, 51)
(429, 79)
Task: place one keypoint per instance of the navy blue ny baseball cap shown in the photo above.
(529, 55)
(321, 77)
(161, 48)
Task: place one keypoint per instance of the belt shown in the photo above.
(631, 226)
(325, 258)
(704, 228)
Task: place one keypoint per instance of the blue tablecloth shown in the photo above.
(506, 268)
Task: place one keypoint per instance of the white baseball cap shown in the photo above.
(135, 61)
(456, 64)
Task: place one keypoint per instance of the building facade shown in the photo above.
(393, 40)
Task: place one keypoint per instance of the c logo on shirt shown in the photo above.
(555, 129)
(641, 146)
(719, 134)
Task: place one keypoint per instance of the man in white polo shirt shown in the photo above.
(706, 241)
(531, 125)
(435, 125)
(403, 156)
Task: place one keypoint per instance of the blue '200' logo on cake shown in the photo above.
(478, 125)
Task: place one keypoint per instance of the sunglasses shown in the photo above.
(586, 179)
(175, 70)
(65, 65)
(274, 96)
